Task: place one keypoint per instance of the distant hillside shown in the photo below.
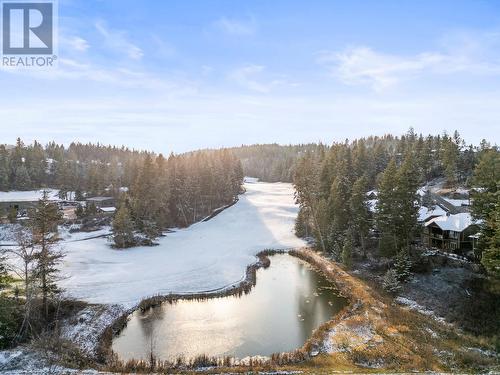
(272, 162)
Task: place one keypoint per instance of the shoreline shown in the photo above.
(306, 351)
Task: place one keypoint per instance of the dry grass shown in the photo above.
(374, 333)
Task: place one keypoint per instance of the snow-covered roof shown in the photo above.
(108, 209)
(458, 222)
(27, 196)
(422, 191)
(457, 202)
(99, 199)
(425, 213)
(372, 205)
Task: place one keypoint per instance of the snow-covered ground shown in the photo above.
(27, 196)
(206, 256)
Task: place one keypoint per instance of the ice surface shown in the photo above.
(207, 255)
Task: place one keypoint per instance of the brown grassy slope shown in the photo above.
(374, 333)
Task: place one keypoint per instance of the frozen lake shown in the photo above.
(206, 256)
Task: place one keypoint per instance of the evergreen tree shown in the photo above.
(123, 228)
(347, 253)
(360, 217)
(387, 210)
(338, 205)
(302, 228)
(391, 282)
(402, 266)
(44, 227)
(407, 202)
(450, 154)
(21, 179)
(4, 169)
(491, 255)
(485, 207)
(397, 206)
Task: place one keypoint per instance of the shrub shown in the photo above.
(347, 253)
(10, 320)
(402, 266)
(391, 282)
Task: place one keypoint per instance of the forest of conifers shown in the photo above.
(173, 191)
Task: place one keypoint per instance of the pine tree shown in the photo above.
(397, 206)
(360, 217)
(123, 228)
(402, 266)
(338, 205)
(391, 282)
(302, 228)
(44, 227)
(485, 197)
(347, 253)
(450, 154)
(4, 169)
(22, 180)
(491, 255)
(407, 202)
(387, 210)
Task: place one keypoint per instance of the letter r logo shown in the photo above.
(27, 28)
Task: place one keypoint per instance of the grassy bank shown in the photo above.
(371, 334)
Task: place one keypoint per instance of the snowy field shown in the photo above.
(28, 196)
(206, 256)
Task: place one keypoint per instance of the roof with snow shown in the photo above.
(99, 199)
(108, 209)
(425, 213)
(458, 202)
(456, 223)
(27, 196)
(372, 205)
(422, 191)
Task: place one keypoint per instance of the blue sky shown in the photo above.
(181, 75)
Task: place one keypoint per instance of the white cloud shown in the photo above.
(237, 27)
(250, 77)
(245, 76)
(362, 65)
(74, 43)
(118, 77)
(117, 40)
(460, 53)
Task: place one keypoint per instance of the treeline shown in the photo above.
(331, 187)
(91, 168)
(153, 192)
(177, 191)
(272, 162)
